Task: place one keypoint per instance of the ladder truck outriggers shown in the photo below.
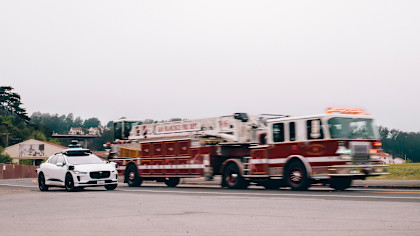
(270, 150)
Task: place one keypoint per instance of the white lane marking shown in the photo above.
(267, 194)
(15, 185)
(252, 194)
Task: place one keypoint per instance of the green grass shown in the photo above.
(407, 171)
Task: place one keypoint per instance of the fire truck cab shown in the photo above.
(328, 148)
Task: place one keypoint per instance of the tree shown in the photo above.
(78, 122)
(401, 144)
(69, 121)
(10, 104)
(91, 122)
(4, 158)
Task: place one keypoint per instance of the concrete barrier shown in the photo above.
(10, 171)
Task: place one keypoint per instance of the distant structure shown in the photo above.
(34, 150)
(79, 134)
(76, 131)
(399, 160)
(93, 131)
(388, 159)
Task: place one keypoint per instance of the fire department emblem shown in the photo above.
(316, 149)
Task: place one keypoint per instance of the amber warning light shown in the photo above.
(344, 110)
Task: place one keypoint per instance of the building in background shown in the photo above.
(76, 131)
(93, 131)
(33, 150)
(389, 159)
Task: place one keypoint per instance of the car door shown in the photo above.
(48, 168)
(59, 170)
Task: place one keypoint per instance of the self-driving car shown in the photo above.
(76, 168)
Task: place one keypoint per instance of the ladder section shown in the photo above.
(247, 166)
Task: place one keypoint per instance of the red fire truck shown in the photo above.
(270, 150)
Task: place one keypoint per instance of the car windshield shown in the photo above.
(352, 128)
(77, 160)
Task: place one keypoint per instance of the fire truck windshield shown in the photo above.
(352, 128)
(122, 128)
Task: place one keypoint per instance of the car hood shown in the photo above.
(94, 167)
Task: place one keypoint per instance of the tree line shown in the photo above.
(62, 123)
(401, 144)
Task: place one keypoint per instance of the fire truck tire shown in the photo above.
(296, 176)
(132, 176)
(232, 177)
(172, 182)
(340, 183)
(272, 184)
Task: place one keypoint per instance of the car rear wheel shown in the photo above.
(110, 187)
(41, 182)
(69, 183)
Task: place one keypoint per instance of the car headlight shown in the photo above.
(80, 172)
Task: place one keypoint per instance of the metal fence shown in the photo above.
(10, 171)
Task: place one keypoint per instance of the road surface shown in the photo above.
(206, 210)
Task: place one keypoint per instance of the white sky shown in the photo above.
(196, 59)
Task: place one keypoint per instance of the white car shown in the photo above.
(76, 168)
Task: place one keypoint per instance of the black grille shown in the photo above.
(100, 174)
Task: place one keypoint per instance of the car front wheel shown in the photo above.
(110, 187)
(69, 183)
(41, 182)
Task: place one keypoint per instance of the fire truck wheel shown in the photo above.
(232, 177)
(132, 176)
(340, 183)
(296, 176)
(272, 184)
(171, 182)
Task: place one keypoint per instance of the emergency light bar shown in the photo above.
(344, 110)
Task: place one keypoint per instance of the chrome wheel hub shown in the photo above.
(131, 176)
(296, 176)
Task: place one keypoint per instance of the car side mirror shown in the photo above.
(60, 164)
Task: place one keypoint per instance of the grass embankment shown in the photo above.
(407, 171)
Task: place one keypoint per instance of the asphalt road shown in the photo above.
(206, 210)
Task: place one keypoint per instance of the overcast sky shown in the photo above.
(196, 59)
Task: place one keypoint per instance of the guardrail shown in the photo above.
(10, 171)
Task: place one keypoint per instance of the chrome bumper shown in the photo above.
(357, 170)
